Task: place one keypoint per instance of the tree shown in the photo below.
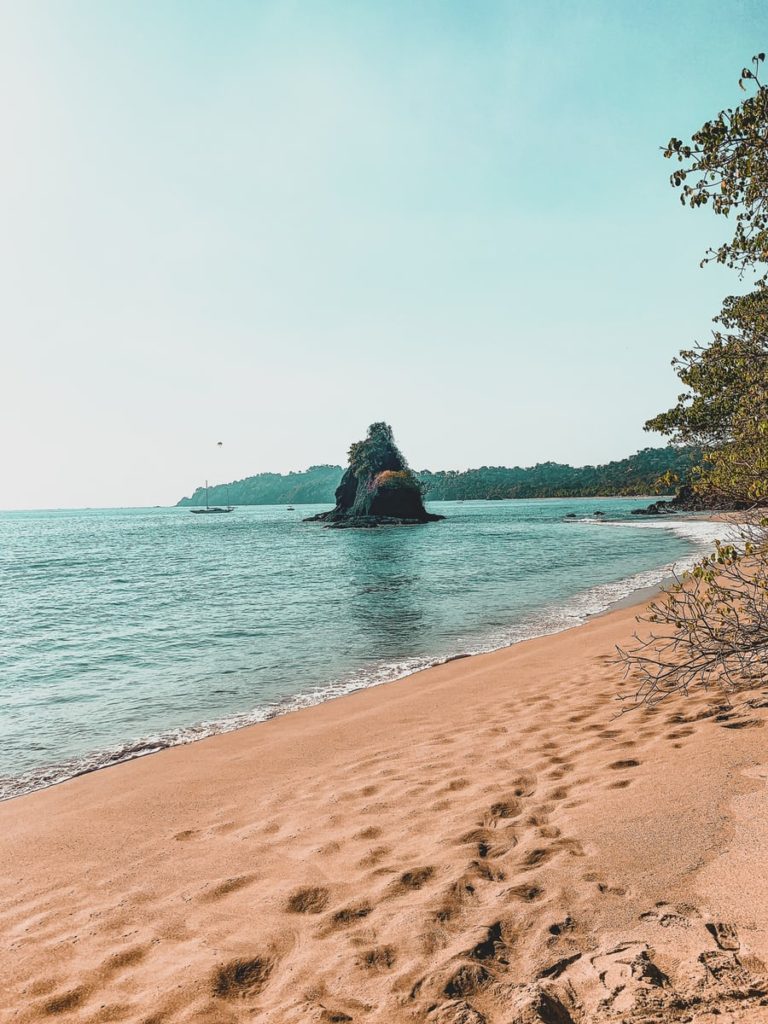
(711, 627)
(726, 168)
(725, 408)
(378, 452)
(715, 375)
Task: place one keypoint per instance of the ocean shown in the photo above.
(124, 631)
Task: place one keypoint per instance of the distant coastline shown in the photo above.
(651, 472)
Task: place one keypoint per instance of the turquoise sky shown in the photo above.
(270, 223)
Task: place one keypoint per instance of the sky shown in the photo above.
(270, 223)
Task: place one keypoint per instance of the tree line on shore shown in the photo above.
(711, 627)
(652, 471)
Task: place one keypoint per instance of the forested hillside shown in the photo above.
(312, 486)
(639, 474)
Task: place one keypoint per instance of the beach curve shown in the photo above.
(485, 841)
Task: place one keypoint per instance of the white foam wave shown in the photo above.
(703, 532)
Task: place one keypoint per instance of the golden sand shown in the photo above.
(482, 842)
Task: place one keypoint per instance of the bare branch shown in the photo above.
(709, 629)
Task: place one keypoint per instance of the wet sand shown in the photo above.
(485, 841)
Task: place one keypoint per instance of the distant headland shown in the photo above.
(651, 471)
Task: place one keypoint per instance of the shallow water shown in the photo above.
(124, 631)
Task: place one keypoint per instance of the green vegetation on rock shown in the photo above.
(377, 488)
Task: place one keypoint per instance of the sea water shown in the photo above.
(123, 631)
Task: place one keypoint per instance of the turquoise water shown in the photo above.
(124, 631)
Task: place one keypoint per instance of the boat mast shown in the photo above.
(206, 495)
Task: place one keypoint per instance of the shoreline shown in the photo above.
(281, 504)
(549, 621)
(343, 862)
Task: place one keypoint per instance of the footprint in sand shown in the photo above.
(578, 718)
(411, 880)
(122, 960)
(724, 935)
(334, 1016)
(730, 972)
(560, 793)
(380, 958)
(524, 893)
(560, 927)
(456, 784)
(185, 835)
(625, 966)
(351, 915)
(226, 887)
(524, 785)
(611, 890)
(224, 828)
(66, 1001)
(308, 901)
(329, 849)
(536, 858)
(485, 870)
(459, 894)
(505, 809)
(374, 857)
(558, 967)
(678, 734)
(43, 987)
(678, 718)
(494, 944)
(466, 980)
(668, 916)
(602, 886)
(481, 838)
(368, 833)
(239, 978)
(549, 832)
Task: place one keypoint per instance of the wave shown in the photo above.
(555, 618)
(701, 531)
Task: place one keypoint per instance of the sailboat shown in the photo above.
(209, 509)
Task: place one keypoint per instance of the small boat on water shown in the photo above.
(290, 509)
(211, 510)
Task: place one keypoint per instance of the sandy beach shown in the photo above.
(485, 841)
